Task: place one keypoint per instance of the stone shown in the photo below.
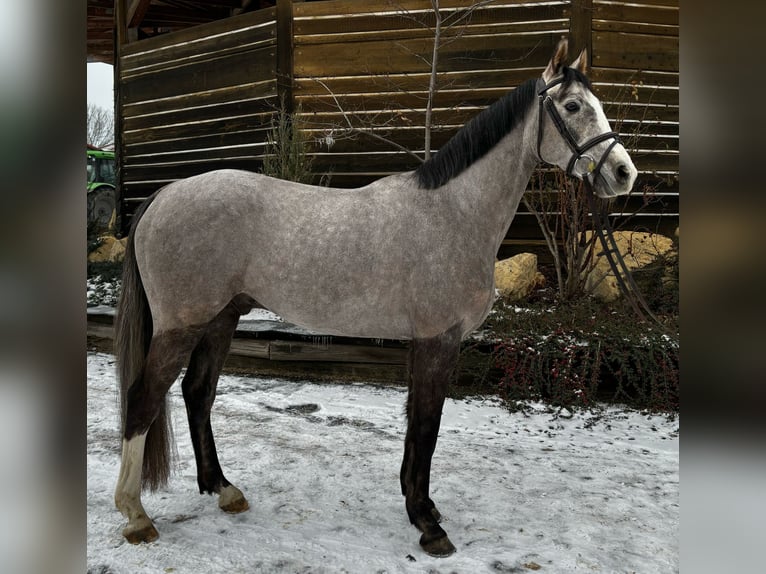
(638, 249)
(111, 250)
(517, 276)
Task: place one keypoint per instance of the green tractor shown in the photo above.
(102, 179)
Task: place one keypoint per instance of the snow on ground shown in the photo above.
(319, 464)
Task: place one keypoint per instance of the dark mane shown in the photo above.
(477, 137)
(484, 131)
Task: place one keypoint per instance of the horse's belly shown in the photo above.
(414, 316)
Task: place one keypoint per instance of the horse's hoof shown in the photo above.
(137, 535)
(438, 547)
(236, 506)
(232, 500)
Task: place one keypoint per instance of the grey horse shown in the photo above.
(409, 256)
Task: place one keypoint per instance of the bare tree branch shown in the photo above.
(352, 128)
(100, 126)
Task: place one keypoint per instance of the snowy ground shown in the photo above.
(320, 466)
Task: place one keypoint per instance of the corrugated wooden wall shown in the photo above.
(202, 98)
(369, 63)
(196, 100)
(636, 75)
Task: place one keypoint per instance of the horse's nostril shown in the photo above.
(623, 173)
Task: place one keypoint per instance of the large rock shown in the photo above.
(637, 248)
(516, 277)
(111, 249)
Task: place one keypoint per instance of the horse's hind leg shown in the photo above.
(199, 386)
(168, 354)
(431, 364)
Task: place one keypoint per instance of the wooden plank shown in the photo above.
(661, 3)
(505, 79)
(641, 112)
(388, 122)
(395, 102)
(557, 26)
(252, 90)
(198, 142)
(656, 161)
(323, 370)
(227, 71)
(189, 130)
(350, 8)
(156, 61)
(629, 76)
(300, 351)
(642, 51)
(200, 32)
(625, 12)
(257, 348)
(101, 330)
(517, 18)
(637, 93)
(193, 113)
(173, 155)
(635, 27)
(628, 128)
(134, 193)
(489, 52)
(394, 160)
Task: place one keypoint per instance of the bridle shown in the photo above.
(602, 227)
(591, 174)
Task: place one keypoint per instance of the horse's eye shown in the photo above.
(572, 106)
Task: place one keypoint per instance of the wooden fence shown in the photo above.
(195, 100)
(203, 98)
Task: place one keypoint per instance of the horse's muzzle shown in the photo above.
(617, 175)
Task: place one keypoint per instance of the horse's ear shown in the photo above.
(557, 61)
(581, 63)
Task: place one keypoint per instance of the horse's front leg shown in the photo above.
(431, 363)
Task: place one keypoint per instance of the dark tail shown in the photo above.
(133, 334)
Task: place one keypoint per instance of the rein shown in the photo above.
(603, 227)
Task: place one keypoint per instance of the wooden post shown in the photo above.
(581, 28)
(284, 56)
(120, 38)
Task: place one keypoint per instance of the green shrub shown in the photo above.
(287, 156)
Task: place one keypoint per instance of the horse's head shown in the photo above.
(573, 132)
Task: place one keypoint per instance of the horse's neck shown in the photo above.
(493, 186)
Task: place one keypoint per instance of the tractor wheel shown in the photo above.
(101, 209)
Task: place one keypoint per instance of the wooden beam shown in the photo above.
(285, 47)
(580, 29)
(136, 12)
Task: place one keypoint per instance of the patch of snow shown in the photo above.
(260, 315)
(319, 463)
(101, 292)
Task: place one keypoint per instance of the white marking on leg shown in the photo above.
(127, 495)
